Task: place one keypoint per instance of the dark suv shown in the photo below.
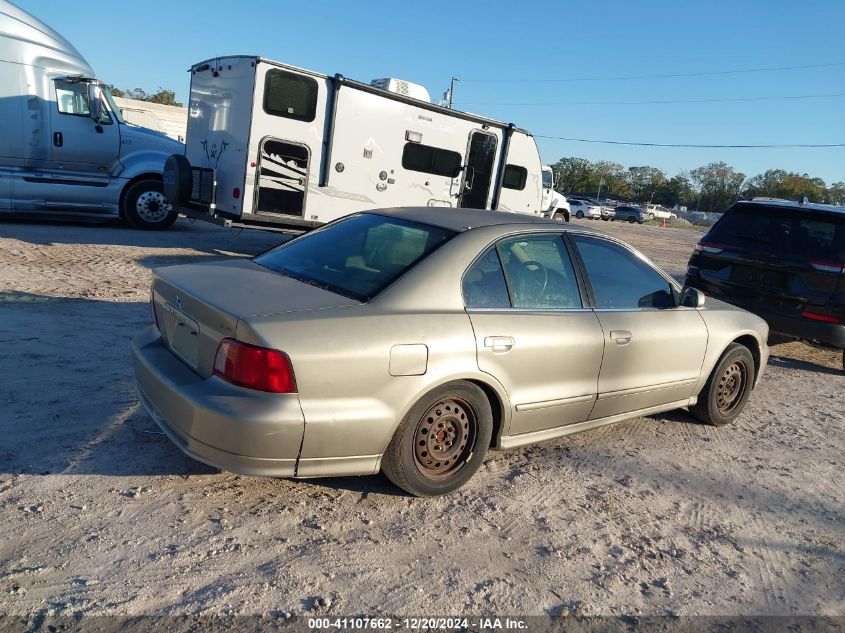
(784, 261)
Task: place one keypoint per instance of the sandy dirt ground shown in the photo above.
(100, 514)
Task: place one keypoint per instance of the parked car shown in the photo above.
(782, 260)
(630, 214)
(583, 209)
(412, 340)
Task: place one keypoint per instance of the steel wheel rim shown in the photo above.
(731, 387)
(444, 439)
(152, 206)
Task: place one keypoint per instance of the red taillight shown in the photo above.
(254, 367)
(825, 318)
(705, 247)
(236, 192)
(828, 267)
(153, 308)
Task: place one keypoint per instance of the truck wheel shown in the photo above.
(145, 207)
(559, 216)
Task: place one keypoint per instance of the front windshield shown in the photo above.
(111, 104)
(357, 257)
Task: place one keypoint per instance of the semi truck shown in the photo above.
(277, 146)
(65, 149)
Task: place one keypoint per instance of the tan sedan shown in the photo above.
(413, 340)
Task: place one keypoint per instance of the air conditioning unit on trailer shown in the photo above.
(402, 87)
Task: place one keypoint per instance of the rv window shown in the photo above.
(515, 177)
(431, 160)
(290, 96)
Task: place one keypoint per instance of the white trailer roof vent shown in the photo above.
(402, 87)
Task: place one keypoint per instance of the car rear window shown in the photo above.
(358, 256)
(793, 233)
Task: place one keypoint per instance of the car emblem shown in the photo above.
(179, 302)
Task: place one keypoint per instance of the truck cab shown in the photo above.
(66, 150)
(554, 205)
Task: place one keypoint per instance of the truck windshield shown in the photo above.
(357, 257)
(111, 104)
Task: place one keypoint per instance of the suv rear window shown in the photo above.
(791, 233)
(358, 256)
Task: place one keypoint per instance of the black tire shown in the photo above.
(145, 207)
(728, 388)
(462, 415)
(631, 219)
(579, 215)
(559, 216)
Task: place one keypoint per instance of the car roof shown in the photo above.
(791, 204)
(459, 219)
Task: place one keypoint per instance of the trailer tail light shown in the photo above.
(706, 247)
(824, 318)
(153, 308)
(828, 267)
(254, 367)
(236, 193)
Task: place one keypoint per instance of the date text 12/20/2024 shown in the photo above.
(423, 624)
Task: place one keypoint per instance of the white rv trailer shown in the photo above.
(65, 149)
(273, 145)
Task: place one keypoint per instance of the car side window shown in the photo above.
(539, 272)
(620, 280)
(484, 283)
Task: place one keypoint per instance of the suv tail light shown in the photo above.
(707, 247)
(824, 318)
(153, 308)
(828, 267)
(254, 367)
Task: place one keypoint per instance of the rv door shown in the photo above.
(478, 171)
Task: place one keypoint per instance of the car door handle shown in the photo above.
(58, 139)
(622, 337)
(499, 344)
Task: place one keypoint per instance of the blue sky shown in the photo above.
(152, 43)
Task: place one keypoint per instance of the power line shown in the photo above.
(660, 76)
(693, 145)
(659, 101)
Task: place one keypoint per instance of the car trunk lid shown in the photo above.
(198, 305)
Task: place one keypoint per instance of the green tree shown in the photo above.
(836, 193)
(644, 181)
(676, 190)
(718, 184)
(572, 174)
(163, 96)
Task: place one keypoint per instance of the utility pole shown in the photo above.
(598, 195)
(452, 90)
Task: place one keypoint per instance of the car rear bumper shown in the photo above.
(781, 323)
(228, 427)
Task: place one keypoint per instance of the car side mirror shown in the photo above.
(95, 105)
(692, 297)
